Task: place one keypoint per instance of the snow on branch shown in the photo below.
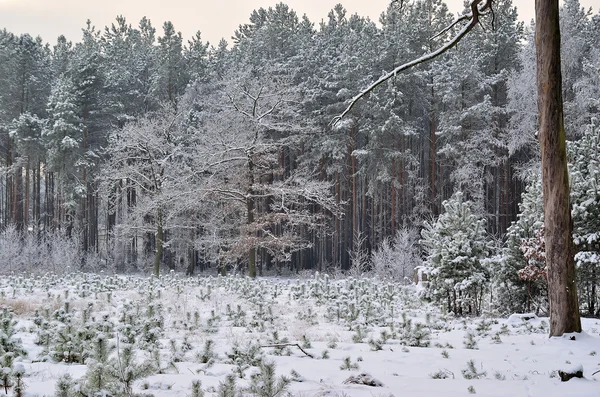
(478, 8)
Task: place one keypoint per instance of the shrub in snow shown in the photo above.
(456, 247)
(469, 341)
(348, 365)
(376, 344)
(124, 369)
(396, 259)
(237, 317)
(71, 341)
(359, 257)
(207, 355)
(96, 381)
(8, 342)
(6, 370)
(471, 371)
(157, 361)
(19, 385)
(364, 379)
(228, 388)
(296, 377)
(414, 335)
(266, 384)
(65, 386)
(244, 357)
(10, 241)
(197, 389)
(442, 374)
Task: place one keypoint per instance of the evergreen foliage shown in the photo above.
(456, 247)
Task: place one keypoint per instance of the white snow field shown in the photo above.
(167, 333)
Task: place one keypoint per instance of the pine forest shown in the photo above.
(136, 150)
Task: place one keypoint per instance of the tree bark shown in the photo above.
(562, 290)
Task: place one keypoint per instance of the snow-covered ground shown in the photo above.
(327, 331)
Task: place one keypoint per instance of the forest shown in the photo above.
(137, 150)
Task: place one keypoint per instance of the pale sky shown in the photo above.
(215, 19)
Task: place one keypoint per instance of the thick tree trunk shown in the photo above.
(562, 291)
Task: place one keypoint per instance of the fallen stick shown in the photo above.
(290, 344)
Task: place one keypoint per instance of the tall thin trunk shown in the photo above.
(562, 290)
(250, 206)
(159, 242)
(27, 196)
(433, 154)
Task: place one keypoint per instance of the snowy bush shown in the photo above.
(396, 259)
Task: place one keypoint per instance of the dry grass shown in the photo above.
(22, 307)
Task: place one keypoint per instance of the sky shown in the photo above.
(215, 19)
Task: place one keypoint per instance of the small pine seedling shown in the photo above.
(266, 384)
(18, 386)
(469, 341)
(65, 386)
(471, 371)
(306, 342)
(348, 365)
(375, 344)
(197, 389)
(228, 388)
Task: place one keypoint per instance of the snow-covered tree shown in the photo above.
(585, 200)
(144, 155)
(512, 292)
(456, 247)
(171, 79)
(63, 136)
(245, 125)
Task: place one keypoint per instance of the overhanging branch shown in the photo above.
(478, 8)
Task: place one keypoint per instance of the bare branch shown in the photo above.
(290, 344)
(478, 8)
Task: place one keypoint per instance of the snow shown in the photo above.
(512, 356)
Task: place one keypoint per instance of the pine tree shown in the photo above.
(63, 137)
(584, 173)
(512, 293)
(456, 247)
(171, 78)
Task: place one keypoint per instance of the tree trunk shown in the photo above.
(159, 242)
(250, 205)
(562, 290)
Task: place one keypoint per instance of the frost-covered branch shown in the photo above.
(478, 8)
